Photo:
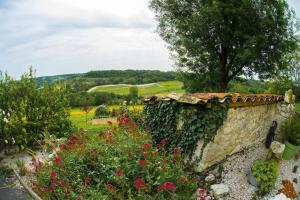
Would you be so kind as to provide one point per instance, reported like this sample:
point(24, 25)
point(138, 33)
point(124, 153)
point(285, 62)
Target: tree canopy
point(217, 40)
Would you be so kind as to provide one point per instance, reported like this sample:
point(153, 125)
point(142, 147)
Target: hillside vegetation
point(144, 89)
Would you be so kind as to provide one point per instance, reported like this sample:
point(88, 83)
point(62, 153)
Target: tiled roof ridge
point(204, 98)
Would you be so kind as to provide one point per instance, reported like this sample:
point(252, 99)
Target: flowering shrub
point(120, 163)
point(29, 112)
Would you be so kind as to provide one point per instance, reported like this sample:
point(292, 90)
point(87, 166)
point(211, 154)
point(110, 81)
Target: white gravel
point(237, 166)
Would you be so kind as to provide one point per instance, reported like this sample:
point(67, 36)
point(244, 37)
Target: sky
point(73, 36)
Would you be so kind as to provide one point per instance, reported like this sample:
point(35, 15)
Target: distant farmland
point(144, 89)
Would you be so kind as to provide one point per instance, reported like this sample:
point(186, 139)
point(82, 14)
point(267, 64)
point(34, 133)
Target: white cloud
point(67, 36)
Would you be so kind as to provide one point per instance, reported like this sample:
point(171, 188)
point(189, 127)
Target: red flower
point(142, 163)
point(53, 185)
point(109, 186)
point(139, 183)
point(53, 174)
point(93, 152)
point(145, 154)
point(87, 179)
point(176, 150)
point(167, 186)
point(73, 140)
point(147, 146)
point(129, 154)
point(63, 183)
point(119, 172)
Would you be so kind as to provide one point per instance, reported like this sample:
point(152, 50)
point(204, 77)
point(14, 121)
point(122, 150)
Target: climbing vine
point(183, 125)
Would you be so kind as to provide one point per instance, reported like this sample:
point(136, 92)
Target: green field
point(297, 107)
point(145, 89)
point(78, 118)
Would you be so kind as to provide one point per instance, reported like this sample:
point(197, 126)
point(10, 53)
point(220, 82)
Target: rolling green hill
point(144, 89)
point(51, 79)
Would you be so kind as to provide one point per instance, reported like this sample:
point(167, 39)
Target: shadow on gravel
point(13, 191)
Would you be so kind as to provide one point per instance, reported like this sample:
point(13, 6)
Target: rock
point(289, 97)
point(220, 189)
point(216, 172)
point(208, 198)
point(277, 148)
point(295, 169)
point(295, 180)
point(210, 178)
point(251, 179)
point(280, 196)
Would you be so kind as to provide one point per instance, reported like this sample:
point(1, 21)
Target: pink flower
point(119, 172)
point(167, 186)
point(147, 146)
point(87, 179)
point(109, 186)
point(201, 194)
point(176, 150)
point(139, 183)
point(142, 163)
point(200, 191)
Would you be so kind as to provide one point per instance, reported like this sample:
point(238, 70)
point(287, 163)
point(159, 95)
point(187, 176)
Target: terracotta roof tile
point(203, 98)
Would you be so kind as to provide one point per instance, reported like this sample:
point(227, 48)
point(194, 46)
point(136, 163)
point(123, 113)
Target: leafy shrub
point(101, 111)
point(291, 129)
point(266, 173)
point(29, 111)
point(120, 163)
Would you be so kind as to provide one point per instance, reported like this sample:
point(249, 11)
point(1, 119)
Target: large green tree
point(216, 40)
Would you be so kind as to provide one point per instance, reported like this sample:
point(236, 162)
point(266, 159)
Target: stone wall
point(243, 128)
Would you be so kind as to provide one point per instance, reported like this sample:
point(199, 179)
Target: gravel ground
point(237, 166)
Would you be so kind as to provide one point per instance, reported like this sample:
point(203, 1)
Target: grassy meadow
point(145, 89)
point(78, 118)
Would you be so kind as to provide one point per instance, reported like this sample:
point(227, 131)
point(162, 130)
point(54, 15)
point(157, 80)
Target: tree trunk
point(223, 76)
point(223, 85)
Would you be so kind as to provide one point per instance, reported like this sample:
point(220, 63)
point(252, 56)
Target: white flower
point(6, 142)
point(13, 140)
point(8, 115)
point(3, 112)
point(5, 120)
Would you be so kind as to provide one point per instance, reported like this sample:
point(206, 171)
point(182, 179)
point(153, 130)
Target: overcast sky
point(70, 36)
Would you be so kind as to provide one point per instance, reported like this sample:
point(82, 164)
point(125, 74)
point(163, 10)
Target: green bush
point(118, 164)
point(27, 112)
point(291, 129)
point(266, 173)
point(101, 111)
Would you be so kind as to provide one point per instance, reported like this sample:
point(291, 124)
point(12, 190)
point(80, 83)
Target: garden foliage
point(291, 129)
point(28, 112)
point(101, 111)
point(266, 173)
point(120, 163)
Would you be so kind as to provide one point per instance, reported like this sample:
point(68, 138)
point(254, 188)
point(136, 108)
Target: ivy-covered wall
point(208, 135)
point(183, 125)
